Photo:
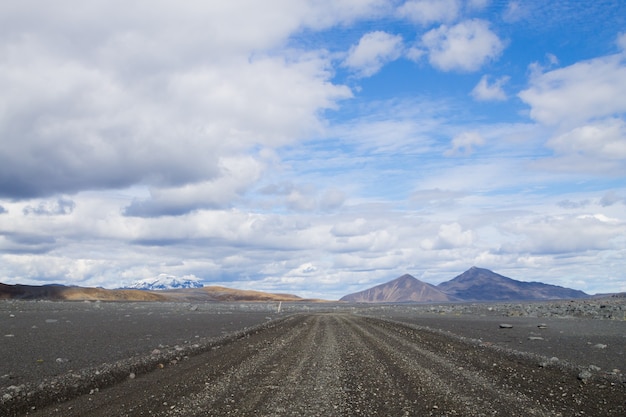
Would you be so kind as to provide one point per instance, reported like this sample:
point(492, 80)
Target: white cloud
point(584, 104)
point(155, 101)
point(374, 50)
point(425, 12)
point(515, 11)
point(583, 91)
point(449, 236)
point(466, 46)
point(490, 92)
point(605, 139)
point(564, 234)
point(463, 144)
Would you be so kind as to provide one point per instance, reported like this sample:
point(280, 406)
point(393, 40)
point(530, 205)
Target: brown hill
point(479, 284)
point(210, 293)
point(401, 290)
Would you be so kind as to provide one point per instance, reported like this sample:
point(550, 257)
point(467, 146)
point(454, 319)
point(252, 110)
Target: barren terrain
point(339, 361)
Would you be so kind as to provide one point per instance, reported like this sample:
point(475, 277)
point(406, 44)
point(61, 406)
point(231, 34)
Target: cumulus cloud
point(425, 12)
point(584, 104)
point(466, 46)
point(490, 92)
point(374, 50)
point(59, 207)
point(563, 234)
point(463, 144)
point(153, 101)
point(583, 91)
point(238, 174)
point(605, 139)
point(449, 236)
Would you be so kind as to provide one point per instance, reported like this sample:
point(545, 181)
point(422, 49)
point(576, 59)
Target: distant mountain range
point(71, 293)
point(165, 282)
point(475, 284)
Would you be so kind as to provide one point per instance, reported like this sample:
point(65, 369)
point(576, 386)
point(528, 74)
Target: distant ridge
point(69, 293)
point(479, 284)
point(400, 290)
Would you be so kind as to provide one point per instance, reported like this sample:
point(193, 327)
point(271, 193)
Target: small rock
point(62, 360)
point(132, 375)
point(542, 326)
point(506, 326)
point(51, 320)
point(535, 338)
point(9, 335)
point(594, 368)
point(584, 375)
point(599, 346)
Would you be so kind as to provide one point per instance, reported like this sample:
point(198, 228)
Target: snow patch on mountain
point(166, 282)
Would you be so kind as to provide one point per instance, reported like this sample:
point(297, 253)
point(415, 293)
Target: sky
point(316, 147)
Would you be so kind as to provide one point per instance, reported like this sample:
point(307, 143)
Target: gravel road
point(341, 364)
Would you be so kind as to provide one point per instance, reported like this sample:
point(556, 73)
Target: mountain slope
point(403, 289)
point(479, 284)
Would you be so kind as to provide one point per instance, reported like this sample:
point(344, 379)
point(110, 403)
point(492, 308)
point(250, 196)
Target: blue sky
point(313, 147)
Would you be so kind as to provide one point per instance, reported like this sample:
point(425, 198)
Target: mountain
point(478, 284)
point(165, 282)
point(205, 294)
point(403, 289)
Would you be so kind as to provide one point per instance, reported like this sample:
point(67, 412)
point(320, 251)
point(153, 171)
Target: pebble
point(506, 326)
point(535, 338)
point(599, 346)
point(542, 326)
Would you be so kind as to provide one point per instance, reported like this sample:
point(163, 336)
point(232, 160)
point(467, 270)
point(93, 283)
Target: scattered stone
point(506, 326)
point(599, 346)
point(51, 320)
point(594, 368)
point(62, 360)
point(9, 335)
point(156, 352)
point(542, 326)
point(132, 375)
point(584, 375)
point(535, 338)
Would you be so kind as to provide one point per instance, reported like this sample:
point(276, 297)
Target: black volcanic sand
point(49, 346)
point(42, 339)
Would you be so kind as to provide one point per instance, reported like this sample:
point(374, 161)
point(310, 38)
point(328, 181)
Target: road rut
point(333, 364)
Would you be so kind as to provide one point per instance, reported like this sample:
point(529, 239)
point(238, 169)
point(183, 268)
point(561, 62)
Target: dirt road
point(345, 365)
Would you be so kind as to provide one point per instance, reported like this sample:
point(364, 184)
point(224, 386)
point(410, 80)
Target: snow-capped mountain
point(166, 282)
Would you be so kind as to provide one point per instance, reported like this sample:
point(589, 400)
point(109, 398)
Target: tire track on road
point(339, 364)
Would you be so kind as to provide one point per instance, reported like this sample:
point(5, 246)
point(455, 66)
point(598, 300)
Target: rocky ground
point(442, 360)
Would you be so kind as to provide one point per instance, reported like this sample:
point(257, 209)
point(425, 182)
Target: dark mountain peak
point(475, 273)
point(405, 288)
point(479, 284)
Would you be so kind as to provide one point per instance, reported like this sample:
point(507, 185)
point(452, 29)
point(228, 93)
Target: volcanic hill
point(479, 284)
point(400, 290)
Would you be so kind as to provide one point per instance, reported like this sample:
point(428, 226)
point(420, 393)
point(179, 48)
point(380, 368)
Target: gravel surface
point(311, 360)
